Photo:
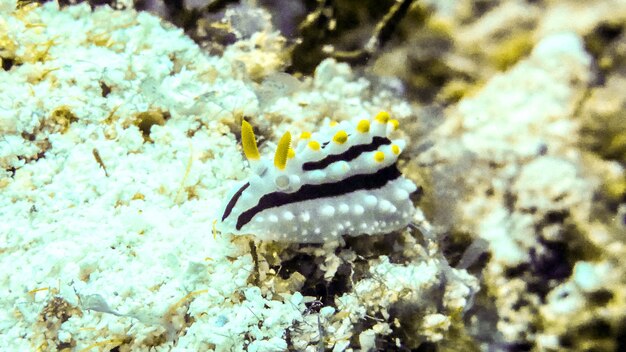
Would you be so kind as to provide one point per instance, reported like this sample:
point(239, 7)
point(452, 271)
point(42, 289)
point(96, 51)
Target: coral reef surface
point(119, 140)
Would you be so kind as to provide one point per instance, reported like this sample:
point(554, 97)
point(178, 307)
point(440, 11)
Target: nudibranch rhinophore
point(340, 180)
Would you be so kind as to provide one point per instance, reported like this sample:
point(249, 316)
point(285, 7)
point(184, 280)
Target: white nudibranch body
point(340, 180)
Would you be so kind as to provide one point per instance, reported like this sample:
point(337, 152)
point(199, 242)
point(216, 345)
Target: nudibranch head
point(340, 180)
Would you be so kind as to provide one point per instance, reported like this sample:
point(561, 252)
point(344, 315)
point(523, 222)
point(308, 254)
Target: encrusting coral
point(116, 153)
point(529, 193)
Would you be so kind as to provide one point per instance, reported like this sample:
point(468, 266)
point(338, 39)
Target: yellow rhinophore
point(340, 137)
point(282, 150)
point(248, 141)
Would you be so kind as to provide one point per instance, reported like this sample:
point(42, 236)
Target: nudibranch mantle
point(340, 180)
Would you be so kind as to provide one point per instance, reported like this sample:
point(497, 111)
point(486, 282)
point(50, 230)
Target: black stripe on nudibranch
point(233, 200)
point(350, 154)
point(326, 190)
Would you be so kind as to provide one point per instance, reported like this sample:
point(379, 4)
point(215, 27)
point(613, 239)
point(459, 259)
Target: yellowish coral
point(511, 50)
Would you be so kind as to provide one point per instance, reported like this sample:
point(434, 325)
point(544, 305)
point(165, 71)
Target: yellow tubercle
point(280, 158)
point(340, 137)
point(291, 153)
point(314, 145)
point(305, 135)
point(395, 149)
point(379, 156)
point(363, 126)
point(382, 117)
point(333, 123)
point(248, 141)
point(394, 123)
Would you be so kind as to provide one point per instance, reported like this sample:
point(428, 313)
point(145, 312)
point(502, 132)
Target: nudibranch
point(340, 180)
